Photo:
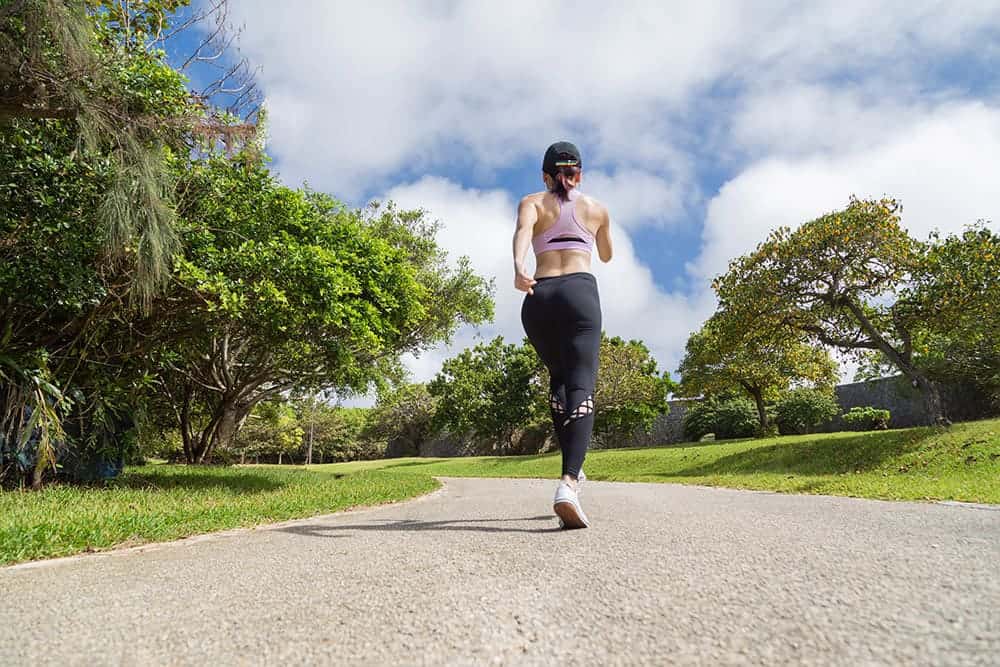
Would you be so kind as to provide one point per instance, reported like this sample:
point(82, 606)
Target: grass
point(163, 502)
point(959, 463)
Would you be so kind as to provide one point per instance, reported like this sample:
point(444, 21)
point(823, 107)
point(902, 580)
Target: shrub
point(802, 410)
point(726, 418)
point(866, 419)
point(769, 432)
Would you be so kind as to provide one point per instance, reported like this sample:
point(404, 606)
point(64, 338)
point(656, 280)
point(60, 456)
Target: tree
point(488, 391)
point(834, 279)
point(272, 430)
point(953, 309)
point(805, 408)
point(631, 393)
point(90, 124)
point(763, 361)
point(403, 418)
point(284, 290)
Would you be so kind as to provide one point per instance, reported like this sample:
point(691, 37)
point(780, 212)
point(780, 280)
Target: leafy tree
point(272, 430)
point(630, 391)
point(953, 308)
point(344, 439)
point(726, 356)
point(285, 290)
point(403, 418)
point(488, 391)
point(804, 408)
point(725, 416)
point(835, 278)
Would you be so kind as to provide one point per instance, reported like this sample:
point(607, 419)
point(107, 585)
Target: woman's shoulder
point(594, 206)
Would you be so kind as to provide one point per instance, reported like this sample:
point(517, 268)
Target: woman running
point(562, 310)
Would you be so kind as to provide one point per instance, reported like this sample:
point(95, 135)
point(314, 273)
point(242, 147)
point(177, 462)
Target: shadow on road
point(416, 524)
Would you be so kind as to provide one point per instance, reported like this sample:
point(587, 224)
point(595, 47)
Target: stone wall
point(904, 403)
point(895, 394)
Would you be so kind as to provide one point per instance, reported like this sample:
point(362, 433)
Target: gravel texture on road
point(479, 573)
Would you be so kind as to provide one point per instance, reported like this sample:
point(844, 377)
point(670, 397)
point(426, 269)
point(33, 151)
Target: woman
point(561, 312)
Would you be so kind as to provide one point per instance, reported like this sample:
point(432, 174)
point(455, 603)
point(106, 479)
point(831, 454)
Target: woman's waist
point(556, 263)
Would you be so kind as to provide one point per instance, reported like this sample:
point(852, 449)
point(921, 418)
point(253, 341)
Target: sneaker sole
point(570, 515)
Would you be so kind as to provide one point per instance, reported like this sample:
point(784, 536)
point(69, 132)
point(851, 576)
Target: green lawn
point(164, 502)
point(960, 463)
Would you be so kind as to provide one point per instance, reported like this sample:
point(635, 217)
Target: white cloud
point(480, 224)
point(792, 107)
point(942, 166)
point(359, 91)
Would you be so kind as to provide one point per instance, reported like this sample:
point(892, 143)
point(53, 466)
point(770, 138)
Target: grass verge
point(165, 502)
point(958, 463)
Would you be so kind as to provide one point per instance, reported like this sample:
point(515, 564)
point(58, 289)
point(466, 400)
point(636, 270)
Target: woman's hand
point(523, 281)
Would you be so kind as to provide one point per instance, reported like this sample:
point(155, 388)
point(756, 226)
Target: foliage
point(630, 394)
point(834, 279)
point(954, 309)
point(272, 430)
point(725, 417)
point(284, 290)
point(402, 419)
point(487, 392)
point(866, 419)
point(342, 436)
point(761, 360)
point(803, 409)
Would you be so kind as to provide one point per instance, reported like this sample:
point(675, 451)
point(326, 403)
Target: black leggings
point(563, 322)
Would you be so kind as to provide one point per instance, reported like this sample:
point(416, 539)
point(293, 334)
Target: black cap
point(560, 154)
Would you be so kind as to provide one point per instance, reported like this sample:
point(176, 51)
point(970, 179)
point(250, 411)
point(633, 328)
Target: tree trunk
point(758, 397)
point(309, 453)
point(226, 422)
point(932, 398)
point(279, 458)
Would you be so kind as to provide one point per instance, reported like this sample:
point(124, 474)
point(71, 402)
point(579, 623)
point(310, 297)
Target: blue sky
point(702, 126)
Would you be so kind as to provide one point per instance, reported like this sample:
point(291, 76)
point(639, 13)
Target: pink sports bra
point(567, 233)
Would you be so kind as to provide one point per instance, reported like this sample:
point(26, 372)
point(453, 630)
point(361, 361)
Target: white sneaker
point(566, 505)
point(579, 482)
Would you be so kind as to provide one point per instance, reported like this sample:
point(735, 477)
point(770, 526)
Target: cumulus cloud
point(942, 165)
point(360, 91)
point(733, 118)
point(480, 224)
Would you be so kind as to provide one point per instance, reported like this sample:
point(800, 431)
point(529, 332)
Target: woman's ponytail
point(559, 179)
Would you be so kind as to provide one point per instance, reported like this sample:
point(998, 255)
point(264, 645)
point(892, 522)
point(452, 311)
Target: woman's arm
point(604, 250)
point(527, 216)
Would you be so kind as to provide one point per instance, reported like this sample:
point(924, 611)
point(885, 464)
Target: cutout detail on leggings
point(585, 408)
point(556, 404)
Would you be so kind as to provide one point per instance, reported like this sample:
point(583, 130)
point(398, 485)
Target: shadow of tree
point(239, 482)
point(417, 525)
point(828, 456)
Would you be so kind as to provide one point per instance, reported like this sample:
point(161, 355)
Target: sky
point(702, 126)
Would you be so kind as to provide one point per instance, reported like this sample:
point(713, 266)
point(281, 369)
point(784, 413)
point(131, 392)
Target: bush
point(802, 410)
point(726, 418)
point(866, 419)
point(769, 432)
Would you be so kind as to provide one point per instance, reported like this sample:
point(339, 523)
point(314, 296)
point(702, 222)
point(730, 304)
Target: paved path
point(478, 573)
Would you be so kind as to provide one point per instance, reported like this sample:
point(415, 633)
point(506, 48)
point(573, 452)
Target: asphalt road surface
point(479, 573)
